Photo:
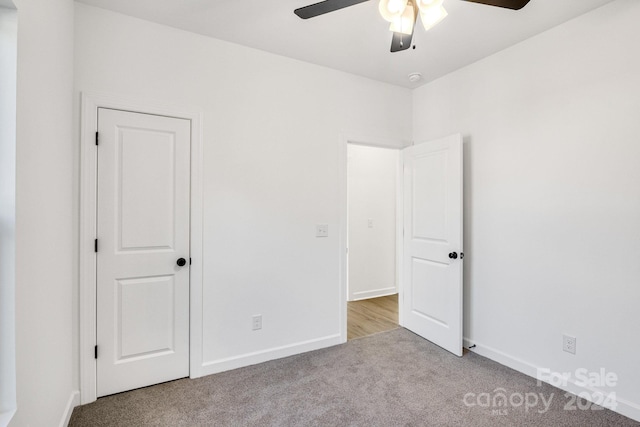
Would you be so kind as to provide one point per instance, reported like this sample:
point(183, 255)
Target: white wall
point(372, 175)
point(272, 130)
point(552, 195)
point(8, 58)
point(45, 228)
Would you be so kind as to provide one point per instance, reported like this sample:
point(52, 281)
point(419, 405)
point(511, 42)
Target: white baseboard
point(624, 407)
point(356, 296)
point(221, 365)
point(74, 400)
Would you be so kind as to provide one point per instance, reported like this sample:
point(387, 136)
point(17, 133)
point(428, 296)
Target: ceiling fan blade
point(324, 7)
point(509, 4)
point(400, 41)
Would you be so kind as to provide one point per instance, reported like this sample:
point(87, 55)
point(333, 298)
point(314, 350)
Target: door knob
point(181, 262)
point(453, 255)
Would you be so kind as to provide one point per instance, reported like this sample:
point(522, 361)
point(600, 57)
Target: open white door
point(142, 250)
point(431, 303)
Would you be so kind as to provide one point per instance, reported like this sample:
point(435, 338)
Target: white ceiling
point(356, 39)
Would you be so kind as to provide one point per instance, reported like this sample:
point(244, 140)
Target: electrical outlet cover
point(256, 322)
point(569, 344)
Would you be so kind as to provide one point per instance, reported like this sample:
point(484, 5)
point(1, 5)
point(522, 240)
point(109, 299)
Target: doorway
point(372, 259)
point(91, 144)
point(429, 250)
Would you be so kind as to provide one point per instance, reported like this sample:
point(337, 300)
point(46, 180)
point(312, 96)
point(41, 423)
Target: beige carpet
point(393, 378)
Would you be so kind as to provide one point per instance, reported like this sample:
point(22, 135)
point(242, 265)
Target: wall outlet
point(256, 322)
point(569, 344)
point(322, 230)
point(370, 223)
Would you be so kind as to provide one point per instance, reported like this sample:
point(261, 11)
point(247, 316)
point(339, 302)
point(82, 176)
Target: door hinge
point(96, 138)
point(95, 352)
point(95, 246)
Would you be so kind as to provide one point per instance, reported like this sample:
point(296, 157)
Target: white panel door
point(143, 230)
point(432, 264)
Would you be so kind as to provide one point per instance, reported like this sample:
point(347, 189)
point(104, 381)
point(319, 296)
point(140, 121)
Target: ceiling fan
point(402, 14)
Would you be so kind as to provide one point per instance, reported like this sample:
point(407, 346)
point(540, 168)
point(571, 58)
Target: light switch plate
point(322, 230)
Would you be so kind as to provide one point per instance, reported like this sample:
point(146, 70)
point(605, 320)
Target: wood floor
point(370, 316)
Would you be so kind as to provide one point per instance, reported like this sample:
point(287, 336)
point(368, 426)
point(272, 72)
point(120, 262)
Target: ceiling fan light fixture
point(431, 16)
point(392, 9)
point(404, 23)
point(426, 4)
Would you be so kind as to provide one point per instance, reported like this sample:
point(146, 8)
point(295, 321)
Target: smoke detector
point(415, 77)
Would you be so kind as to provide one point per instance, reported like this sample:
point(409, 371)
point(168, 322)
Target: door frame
point(399, 145)
point(90, 102)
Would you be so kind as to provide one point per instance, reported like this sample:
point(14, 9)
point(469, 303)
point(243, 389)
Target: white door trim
point(344, 218)
point(91, 101)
